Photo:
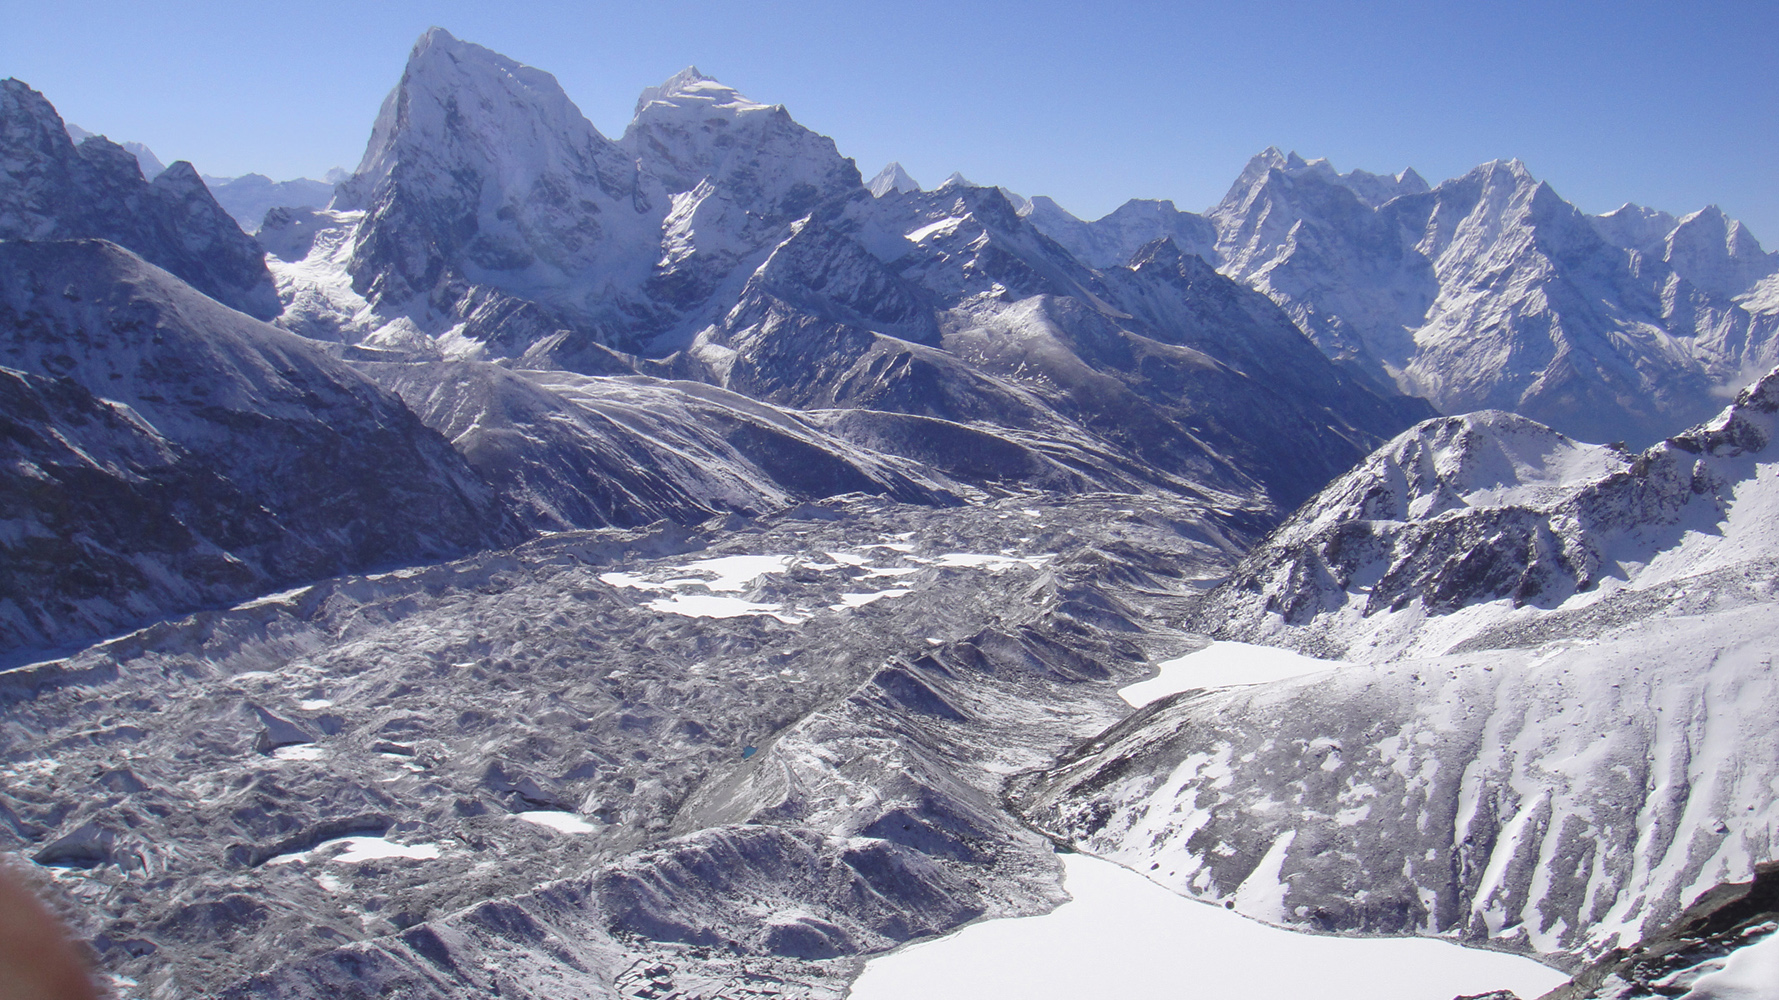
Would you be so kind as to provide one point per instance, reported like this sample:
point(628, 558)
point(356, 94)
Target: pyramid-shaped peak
point(892, 178)
point(684, 79)
point(1710, 214)
point(1412, 182)
point(442, 62)
point(435, 36)
point(1512, 172)
point(435, 42)
point(459, 98)
point(1514, 166)
point(691, 86)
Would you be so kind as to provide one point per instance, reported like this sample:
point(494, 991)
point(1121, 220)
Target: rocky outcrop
point(171, 453)
point(1490, 291)
point(1546, 727)
point(55, 190)
point(1490, 507)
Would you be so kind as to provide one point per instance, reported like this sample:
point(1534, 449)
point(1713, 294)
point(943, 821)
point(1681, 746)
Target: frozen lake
point(1124, 936)
point(1224, 664)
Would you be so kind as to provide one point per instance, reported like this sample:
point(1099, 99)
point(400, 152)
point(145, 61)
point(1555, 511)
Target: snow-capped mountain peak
point(689, 86)
point(517, 113)
point(892, 178)
point(481, 169)
point(1717, 253)
point(53, 189)
point(151, 164)
point(1634, 227)
point(692, 128)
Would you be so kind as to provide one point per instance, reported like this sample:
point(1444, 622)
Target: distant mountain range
point(691, 564)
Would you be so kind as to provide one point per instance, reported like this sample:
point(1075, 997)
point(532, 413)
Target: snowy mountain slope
point(1315, 247)
point(1111, 240)
point(568, 450)
point(1465, 511)
point(298, 467)
point(692, 129)
point(151, 164)
point(1716, 253)
point(307, 251)
point(1634, 227)
point(892, 178)
point(1162, 367)
point(1722, 945)
point(107, 521)
point(771, 271)
point(1490, 291)
point(52, 189)
point(480, 171)
point(250, 196)
point(1561, 799)
point(1554, 735)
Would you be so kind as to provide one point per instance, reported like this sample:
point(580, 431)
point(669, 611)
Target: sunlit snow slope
point(1558, 729)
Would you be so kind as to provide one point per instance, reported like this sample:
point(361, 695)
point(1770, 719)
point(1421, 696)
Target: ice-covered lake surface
point(556, 819)
point(1224, 664)
point(1123, 935)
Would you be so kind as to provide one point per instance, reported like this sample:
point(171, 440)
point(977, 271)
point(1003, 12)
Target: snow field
point(1122, 935)
point(1223, 664)
point(733, 574)
point(358, 848)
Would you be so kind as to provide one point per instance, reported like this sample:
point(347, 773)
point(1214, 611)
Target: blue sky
point(1670, 105)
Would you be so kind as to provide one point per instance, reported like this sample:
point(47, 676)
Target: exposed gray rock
point(755, 798)
point(1490, 291)
point(55, 190)
point(171, 453)
point(1551, 728)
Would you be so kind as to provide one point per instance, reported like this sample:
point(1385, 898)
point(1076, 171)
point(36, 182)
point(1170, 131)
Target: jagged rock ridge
point(1548, 732)
point(54, 190)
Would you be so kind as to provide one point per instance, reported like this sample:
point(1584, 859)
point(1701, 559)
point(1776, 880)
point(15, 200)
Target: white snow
point(860, 600)
point(358, 848)
point(1224, 664)
point(1122, 935)
point(943, 226)
point(1750, 973)
point(723, 573)
point(735, 572)
point(992, 563)
point(556, 819)
point(300, 751)
point(709, 606)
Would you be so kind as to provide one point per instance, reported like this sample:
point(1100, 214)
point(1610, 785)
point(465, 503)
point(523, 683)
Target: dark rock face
point(1714, 927)
point(55, 190)
point(222, 457)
